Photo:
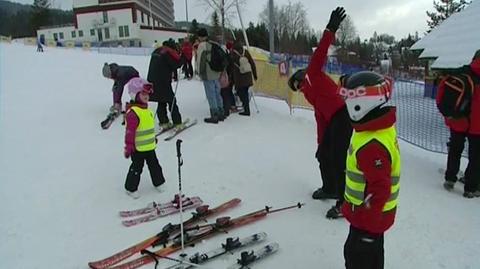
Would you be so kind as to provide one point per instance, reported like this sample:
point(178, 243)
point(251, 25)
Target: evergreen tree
point(216, 28)
point(443, 10)
point(40, 14)
point(193, 31)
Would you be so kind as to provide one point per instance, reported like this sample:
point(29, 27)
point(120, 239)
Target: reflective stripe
point(145, 132)
point(355, 177)
point(144, 142)
point(395, 180)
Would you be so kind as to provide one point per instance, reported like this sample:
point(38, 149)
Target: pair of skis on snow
point(105, 124)
point(231, 244)
point(155, 210)
point(170, 237)
point(185, 125)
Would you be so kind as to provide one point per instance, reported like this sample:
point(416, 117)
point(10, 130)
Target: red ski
point(163, 237)
point(221, 225)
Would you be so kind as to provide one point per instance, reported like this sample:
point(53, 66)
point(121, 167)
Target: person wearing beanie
point(462, 128)
point(209, 77)
point(373, 165)
point(120, 74)
point(140, 141)
point(333, 124)
point(163, 64)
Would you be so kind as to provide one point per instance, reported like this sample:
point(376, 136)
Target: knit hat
point(137, 85)
point(202, 32)
point(106, 71)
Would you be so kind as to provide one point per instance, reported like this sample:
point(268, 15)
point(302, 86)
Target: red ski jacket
point(378, 179)
point(469, 125)
point(319, 89)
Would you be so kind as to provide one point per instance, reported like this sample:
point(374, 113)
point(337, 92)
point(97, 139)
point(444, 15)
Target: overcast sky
point(395, 17)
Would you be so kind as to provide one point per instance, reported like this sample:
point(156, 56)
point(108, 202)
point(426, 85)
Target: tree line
point(17, 20)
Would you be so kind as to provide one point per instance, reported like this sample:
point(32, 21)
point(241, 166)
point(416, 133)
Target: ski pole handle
point(179, 142)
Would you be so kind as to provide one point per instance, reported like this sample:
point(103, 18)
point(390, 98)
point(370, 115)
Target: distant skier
point(39, 46)
point(120, 74)
point(140, 141)
point(373, 169)
point(463, 127)
point(333, 124)
point(163, 64)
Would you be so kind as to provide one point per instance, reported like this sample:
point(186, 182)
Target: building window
point(105, 17)
point(80, 33)
point(143, 18)
point(55, 36)
point(123, 31)
point(120, 31)
point(92, 32)
point(74, 34)
point(61, 35)
point(107, 33)
point(148, 20)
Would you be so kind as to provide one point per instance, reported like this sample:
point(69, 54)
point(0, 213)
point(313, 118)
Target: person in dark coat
point(163, 64)
point(120, 74)
point(227, 92)
point(244, 72)
point(333, 123)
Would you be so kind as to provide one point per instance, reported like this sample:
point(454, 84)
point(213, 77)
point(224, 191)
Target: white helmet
point(365, 91)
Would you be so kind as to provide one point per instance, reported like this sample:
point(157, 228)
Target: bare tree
point(347, 32)
point(226, 9)
point(290, 18)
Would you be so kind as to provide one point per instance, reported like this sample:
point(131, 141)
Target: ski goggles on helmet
point(382, 89)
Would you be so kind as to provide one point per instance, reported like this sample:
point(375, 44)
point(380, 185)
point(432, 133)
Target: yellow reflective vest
point(145, 134)
point(355, 181)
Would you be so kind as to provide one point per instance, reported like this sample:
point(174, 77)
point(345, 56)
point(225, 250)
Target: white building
point(117, 22)
point(453, 43)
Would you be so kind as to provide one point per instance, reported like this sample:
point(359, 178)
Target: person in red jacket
point(187, 54)
point(333, 124)
point(372, 169)
point(460, 129)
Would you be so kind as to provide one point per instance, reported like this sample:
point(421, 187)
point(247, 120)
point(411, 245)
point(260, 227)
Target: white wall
point(84, 3)
point(149, 36)
point(48, 33)
point(116, 18)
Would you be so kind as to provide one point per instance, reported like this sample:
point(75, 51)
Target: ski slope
point(62, 176)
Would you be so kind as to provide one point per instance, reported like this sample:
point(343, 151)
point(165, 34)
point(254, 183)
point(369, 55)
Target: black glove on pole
point(337, 16)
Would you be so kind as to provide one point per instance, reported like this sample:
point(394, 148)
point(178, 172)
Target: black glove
point(296, 79)
point(337, 16)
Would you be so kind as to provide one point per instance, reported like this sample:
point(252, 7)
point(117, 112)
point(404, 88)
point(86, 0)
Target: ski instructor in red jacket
point(333, 124)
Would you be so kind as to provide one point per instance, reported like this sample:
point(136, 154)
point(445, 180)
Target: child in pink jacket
point(140, 141)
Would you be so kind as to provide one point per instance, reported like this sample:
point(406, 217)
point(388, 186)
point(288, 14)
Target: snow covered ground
point(62, 177)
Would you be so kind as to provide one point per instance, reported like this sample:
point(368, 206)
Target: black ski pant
point(188, 68)
point(243, 94)
point(455, 150)
point(138, 159)
point(332, 153)
point(162, 112)
point(228, 98)
point(363, 250)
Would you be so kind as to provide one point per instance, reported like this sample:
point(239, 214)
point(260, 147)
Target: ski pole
point(254, 102)
point(180, 163)
point(174, 96)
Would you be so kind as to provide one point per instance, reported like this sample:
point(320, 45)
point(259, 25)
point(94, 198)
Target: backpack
point(224, 81)
point(218, 58)
point(457, 96)
point(243, 63)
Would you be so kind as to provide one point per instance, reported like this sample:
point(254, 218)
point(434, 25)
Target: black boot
point(220, 114)
point(320, 194)
point(213, 117)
